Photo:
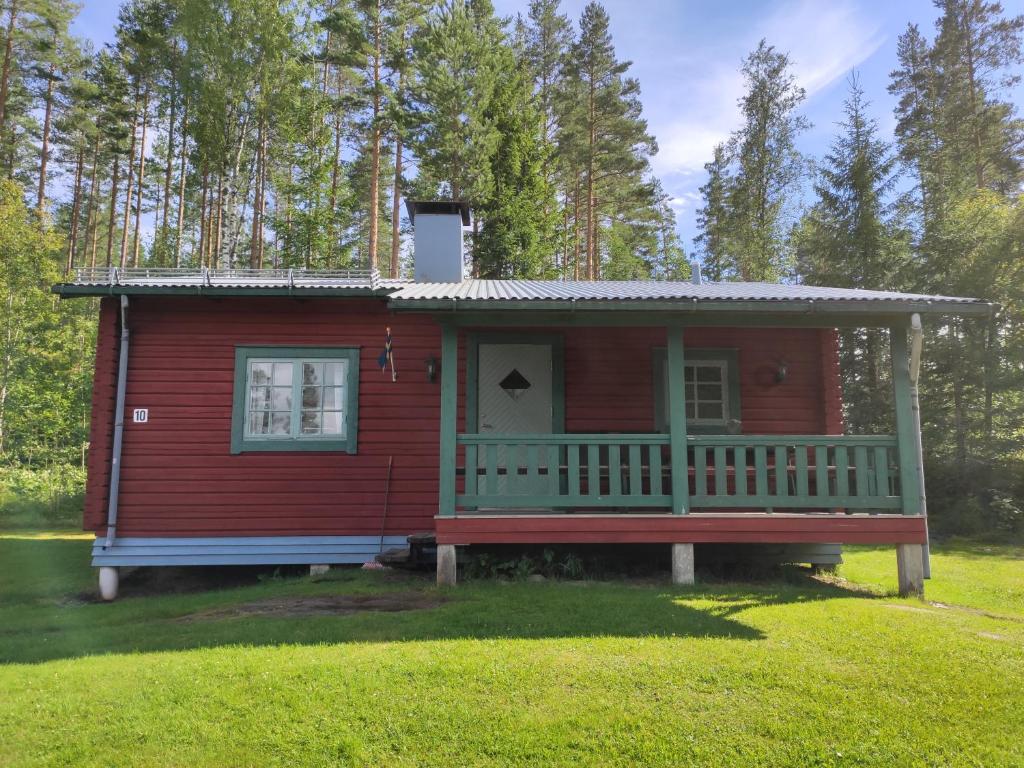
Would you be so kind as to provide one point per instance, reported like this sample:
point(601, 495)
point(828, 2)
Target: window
point(712, 389)
point(295, 399)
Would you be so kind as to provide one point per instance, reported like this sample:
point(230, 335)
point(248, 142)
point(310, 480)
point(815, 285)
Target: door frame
point(557, 343)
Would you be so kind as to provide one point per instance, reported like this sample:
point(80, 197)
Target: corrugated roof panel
point(643, 290)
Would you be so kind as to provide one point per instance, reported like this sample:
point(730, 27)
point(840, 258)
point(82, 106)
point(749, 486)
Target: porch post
point(677, 422)
point(449, 409)
point(906, 439)
point(909, 557)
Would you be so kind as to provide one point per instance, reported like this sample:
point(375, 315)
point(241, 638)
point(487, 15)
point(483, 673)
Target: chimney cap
point(452, 207)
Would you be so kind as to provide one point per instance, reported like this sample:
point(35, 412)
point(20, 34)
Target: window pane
point(710, 411)
point(259, 423)
point(282, 374)
point(333, 423)
point(311, 422)
point(282, 399)
point(259, 373)
point(709, 373)
point(334, 373)
point(312, 373)
point(688, 373)
point(281, 424)
point(311, 397)
point(333, 398)
point(709, 392)
point(689, 410)
point(259, 398)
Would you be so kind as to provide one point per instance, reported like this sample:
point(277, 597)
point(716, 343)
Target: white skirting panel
point(242, 550)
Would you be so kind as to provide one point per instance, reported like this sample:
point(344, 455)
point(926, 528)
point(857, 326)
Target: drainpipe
point(916, 341)
point(115, 457)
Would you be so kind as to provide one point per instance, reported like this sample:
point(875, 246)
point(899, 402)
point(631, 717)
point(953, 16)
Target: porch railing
point(552, 471)
point(566, 471)
point(856, 471)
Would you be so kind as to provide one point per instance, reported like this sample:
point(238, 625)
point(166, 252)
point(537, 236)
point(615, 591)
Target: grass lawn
point(796, 672)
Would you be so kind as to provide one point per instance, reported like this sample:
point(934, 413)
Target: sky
point(687, 54)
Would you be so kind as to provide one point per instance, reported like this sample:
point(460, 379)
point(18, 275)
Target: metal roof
point(496, 294)
point(104, 280)
point(510, 294)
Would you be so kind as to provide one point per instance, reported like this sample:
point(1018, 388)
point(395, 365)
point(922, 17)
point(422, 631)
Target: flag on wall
point(387, 356)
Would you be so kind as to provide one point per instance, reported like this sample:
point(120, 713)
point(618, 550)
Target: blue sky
point(686, 55)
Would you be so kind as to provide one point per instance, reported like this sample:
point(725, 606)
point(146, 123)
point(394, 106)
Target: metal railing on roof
point(203, 276)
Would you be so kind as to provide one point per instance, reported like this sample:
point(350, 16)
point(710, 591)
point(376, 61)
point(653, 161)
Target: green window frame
point(295, 399)
point(698, 363)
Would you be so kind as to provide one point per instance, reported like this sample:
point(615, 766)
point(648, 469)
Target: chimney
point(437, 239)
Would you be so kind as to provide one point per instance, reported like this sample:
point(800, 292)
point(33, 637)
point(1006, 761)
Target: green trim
point(242, 444)
point(677, 423)
point(557, 343)
point(906, 437)
point(764, 319)
point(449, 414)
point(730, 356)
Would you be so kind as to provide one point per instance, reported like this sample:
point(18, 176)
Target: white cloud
point(824, 40)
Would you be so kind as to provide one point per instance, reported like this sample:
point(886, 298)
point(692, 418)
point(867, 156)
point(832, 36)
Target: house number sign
point(140, 415)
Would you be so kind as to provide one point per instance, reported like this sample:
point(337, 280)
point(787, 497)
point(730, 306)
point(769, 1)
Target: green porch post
point(906, 438)
point(677, 422)
point(449, 409)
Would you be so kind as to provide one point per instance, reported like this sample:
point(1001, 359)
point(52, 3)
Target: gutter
point(115, 456)
point(916, 342)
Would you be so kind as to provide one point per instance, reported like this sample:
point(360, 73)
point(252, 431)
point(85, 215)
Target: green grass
point(796, 672)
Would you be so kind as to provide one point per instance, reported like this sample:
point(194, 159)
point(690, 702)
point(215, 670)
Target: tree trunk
point(91, 213)
point(113, 209)
point(257, 222)
point(44, 153)
point(170, 154)
point(396, 210)
point(5, 71)
point(75, 210)
point(203, 229)
point(142, 179)
point(374, 201)
point(332, 237)
point(181, 187)
point(218, 234)
point(591, 223)
point(131, 184)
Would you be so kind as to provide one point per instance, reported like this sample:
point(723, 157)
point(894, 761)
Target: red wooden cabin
point(243, 417)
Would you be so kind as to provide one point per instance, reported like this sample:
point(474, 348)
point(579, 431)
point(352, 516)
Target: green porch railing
point(855, 471)
point(551, 471)
point(564, 471)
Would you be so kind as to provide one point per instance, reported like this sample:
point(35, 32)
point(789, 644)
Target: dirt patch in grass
point(320, 605)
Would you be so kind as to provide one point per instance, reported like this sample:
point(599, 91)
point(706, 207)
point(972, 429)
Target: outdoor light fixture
point(781, 372)
point(431, 368)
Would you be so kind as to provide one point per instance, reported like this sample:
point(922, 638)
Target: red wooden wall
point(179, 478)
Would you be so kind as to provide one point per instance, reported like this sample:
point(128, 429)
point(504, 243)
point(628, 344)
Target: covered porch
point(680, 481)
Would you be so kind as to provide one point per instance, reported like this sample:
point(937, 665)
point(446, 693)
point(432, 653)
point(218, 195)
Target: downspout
point(916, 342)
point(115, 457)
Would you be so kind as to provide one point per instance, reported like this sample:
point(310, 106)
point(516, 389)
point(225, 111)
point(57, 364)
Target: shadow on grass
point(43, 615)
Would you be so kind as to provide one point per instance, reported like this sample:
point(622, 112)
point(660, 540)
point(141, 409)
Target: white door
point(514, 396)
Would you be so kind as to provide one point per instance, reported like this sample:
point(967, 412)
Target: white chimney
point(437, 239)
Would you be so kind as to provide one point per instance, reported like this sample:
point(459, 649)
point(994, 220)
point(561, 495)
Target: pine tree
point(607, 120)
point(713, 219)
point(853, 238)
point(767, 164)
point(517, 226)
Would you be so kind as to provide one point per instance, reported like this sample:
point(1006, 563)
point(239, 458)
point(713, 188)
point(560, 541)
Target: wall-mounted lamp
point(432, 367)
point(781, 372)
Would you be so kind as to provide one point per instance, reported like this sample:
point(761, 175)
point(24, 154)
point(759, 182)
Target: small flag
point(387, 356)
